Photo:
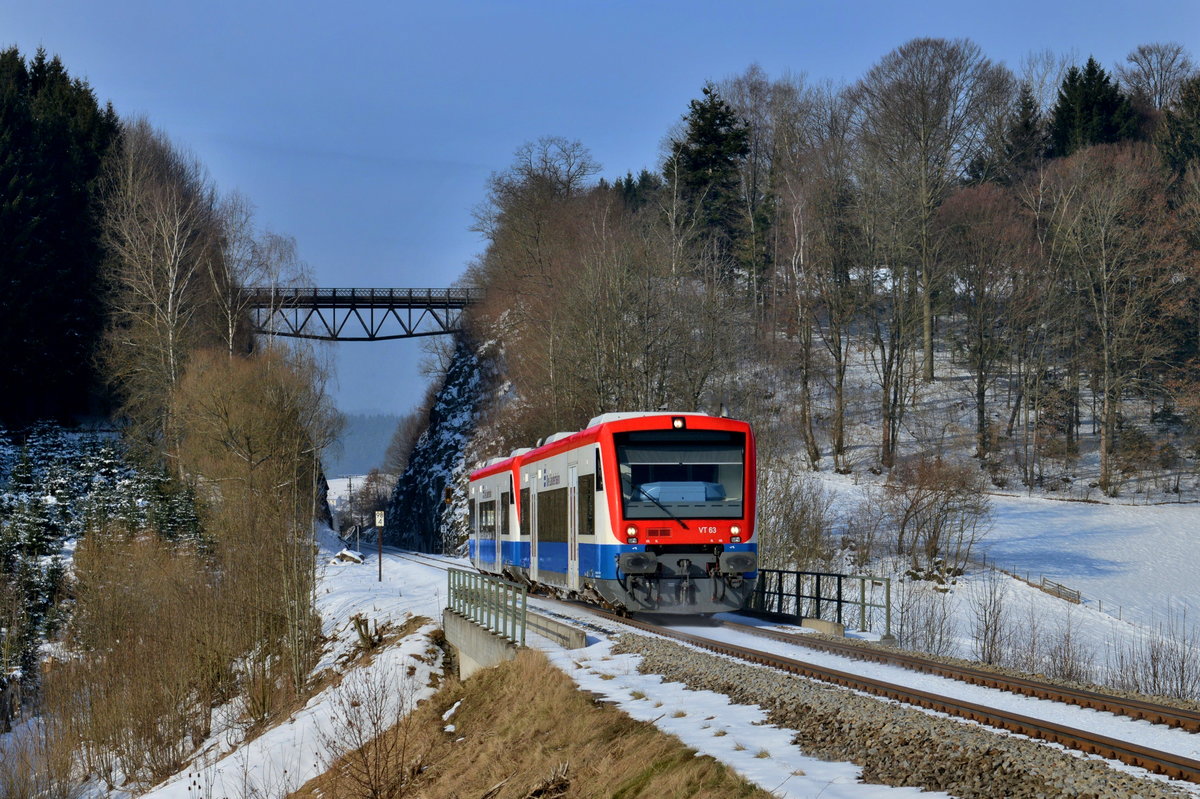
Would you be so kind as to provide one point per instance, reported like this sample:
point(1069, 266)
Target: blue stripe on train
point(596, 561)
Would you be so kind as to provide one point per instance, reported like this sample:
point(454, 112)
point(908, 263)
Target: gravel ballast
point(894, 744)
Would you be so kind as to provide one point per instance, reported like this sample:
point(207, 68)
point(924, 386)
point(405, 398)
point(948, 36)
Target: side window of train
point(525, 511)
point(587, 505)
point(505, 498)
point(552, 515)
point(599, 472)
point(471, 516)
point(487, 519)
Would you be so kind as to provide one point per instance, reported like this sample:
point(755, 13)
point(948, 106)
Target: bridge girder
point(357, 314)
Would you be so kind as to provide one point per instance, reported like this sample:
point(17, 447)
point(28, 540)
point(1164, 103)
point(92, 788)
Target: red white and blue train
point(646, 512)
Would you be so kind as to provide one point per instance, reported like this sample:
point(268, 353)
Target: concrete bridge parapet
point(479, 648)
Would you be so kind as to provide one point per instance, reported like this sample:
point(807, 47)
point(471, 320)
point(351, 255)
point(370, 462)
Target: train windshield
point(688, 474)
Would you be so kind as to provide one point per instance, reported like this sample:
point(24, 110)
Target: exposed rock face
point(428, 509)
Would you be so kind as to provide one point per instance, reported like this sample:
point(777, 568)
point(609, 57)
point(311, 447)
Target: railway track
point(1181, 718)
point(1166, 763)
point(420, 557)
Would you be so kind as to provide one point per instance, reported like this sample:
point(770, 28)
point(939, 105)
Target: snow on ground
point(1142, 559)
point(737, 735)
point(288, 755)
point(1135, 561)
point(1136, 557)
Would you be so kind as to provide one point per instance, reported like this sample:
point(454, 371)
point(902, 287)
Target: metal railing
point(810, 595)
point(492, 603)
point(357, 314)
point(288, 296)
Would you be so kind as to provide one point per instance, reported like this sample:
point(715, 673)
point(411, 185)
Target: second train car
point(646, 512)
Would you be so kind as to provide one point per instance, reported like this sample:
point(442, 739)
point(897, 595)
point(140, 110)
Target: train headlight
point(677, 422)
point(735, 539)
point(631, 534)
point(735, 530)
point(735, 534)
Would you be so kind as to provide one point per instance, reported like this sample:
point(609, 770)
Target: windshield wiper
point(646, 494)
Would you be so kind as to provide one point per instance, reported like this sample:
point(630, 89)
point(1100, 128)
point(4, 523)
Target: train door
point(473, 529)
point(502, 531)
point(573, 527)
point(533, 528)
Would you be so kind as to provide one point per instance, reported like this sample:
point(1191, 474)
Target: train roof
point(606, 418)
point(560, 442)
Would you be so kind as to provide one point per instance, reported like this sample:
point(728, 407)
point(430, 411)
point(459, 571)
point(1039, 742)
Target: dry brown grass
point(524, 730)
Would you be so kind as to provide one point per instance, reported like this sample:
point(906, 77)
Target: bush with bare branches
point(372, 727)
point(794, 514)
point(939, 512)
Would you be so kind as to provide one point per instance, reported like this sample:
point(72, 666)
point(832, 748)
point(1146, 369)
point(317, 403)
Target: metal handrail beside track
point(492, 603)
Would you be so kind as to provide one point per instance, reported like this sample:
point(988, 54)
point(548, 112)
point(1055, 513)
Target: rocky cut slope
point(427, 511)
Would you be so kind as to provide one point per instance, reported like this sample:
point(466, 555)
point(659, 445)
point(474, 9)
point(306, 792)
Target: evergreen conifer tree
point(1179, 134)
point(1025, 143)
point(1090, 110)
point(704, 167)
point(53, 136)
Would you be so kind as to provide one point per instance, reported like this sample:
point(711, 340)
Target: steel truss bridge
point(358, 314)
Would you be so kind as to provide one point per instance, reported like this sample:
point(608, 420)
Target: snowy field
point(1144, 559)
point(1136, 562)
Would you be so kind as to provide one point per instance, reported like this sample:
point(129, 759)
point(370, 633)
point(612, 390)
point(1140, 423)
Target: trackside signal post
point(379, 539)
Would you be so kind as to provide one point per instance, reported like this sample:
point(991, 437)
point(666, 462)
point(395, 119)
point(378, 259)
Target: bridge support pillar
point(474, 647)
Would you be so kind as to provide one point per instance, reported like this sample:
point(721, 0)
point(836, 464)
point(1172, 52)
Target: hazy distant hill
point(362, 444)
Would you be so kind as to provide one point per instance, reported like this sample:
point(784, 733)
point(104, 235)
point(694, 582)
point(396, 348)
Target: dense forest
point(827, 261)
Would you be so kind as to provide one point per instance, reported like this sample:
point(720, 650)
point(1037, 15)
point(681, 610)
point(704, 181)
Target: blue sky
point(367, 130)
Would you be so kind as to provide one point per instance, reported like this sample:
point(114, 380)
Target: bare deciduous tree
point(795, 517)
point(249, 259)
point(254, 429)
point(988, 244)
point(939, 513)
point(161, 225)
point(1153, 73)
point(1114, 230)
point(1043, 71)
point(924, 113)
point(991, 625)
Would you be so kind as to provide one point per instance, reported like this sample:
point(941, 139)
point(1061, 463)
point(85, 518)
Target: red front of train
point(643, 511)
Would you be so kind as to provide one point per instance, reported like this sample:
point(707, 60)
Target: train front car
point(643, 512)
point(683, 512)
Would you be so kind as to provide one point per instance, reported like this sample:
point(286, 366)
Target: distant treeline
point(1035, 231)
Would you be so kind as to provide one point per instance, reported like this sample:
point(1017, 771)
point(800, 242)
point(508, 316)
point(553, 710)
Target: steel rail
point(1153, 712)
point(1171, 765)
point(421, 558)
point(1167, 763)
